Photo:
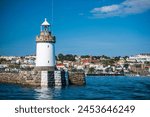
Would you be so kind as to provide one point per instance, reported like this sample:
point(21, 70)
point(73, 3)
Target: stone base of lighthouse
point(43, 78)
point(49, 76)
point(35, 78)
point(40, 68)
point(53, 78)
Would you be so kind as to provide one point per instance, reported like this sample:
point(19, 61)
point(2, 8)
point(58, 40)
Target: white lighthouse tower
point(45, 49)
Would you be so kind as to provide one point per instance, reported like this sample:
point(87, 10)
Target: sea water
point(96, 88)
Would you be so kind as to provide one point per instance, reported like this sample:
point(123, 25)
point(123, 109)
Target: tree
point(70, 57)
point(125, 57)
point(108, 62)
point(105, 57)
point(91, 70)
point(126, 66)
point(3, 61)
point(22, 57)
point(60, 57)
point(147, 62)
point(117, 58)
point(85, 56)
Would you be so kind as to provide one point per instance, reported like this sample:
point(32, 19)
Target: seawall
point(30, 78)
point(76, 78)
point(43, 78)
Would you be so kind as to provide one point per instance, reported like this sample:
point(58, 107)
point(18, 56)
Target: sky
point(81, 27)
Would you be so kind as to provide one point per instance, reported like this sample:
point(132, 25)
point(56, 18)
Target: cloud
point(125, 8)
point(106, 9)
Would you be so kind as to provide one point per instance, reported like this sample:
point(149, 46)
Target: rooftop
point(45, 23)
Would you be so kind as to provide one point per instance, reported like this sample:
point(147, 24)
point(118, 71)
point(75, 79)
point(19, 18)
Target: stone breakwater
point(31, 78)
point(76, 78)
point(43, 78)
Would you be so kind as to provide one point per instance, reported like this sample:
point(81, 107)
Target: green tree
point(3, 61)
point(125, 57)
point(60, 57)
point(126, 66)
point(105, 57)
point(117, 58)
point(70, 57)
point(108, 62)
point(91, 70)
point(85, 56)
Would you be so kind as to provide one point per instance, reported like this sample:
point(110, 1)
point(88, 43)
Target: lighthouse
point(45, 72)
point(45, 49)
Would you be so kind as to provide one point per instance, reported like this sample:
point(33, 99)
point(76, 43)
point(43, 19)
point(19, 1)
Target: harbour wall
point(43, 78)
point(30, 78)
point(76, 78)
point(35, 78)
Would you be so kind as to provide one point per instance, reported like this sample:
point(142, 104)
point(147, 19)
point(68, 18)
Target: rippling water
point(97, 88)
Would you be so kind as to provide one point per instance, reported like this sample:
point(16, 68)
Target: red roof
point(60, 64)
point(85, 61)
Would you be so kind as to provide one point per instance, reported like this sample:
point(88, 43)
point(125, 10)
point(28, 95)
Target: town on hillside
point(137, 65)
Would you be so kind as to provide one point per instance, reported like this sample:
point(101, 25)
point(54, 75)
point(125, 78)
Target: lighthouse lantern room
point(45, 49)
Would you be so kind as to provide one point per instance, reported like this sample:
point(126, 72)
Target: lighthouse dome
point(45, 23)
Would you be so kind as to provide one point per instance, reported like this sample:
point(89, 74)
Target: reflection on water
point(96, 88)
point(45, 93)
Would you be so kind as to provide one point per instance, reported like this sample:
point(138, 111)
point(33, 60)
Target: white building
point(45, 49)
point(9, 57)
point(139, 58)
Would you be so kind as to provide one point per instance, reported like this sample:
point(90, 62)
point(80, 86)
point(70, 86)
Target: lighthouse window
point(48, 61)
point(48, 46)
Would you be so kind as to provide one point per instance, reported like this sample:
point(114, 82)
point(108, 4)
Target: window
point(48, 46)
point(48, 61)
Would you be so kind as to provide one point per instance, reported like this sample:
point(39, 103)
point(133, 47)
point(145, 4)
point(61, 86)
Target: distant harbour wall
point(103, 74)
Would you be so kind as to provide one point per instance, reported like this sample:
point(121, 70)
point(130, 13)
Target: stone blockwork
point(43, 78)
point(41, 68)
point(60, 79)
point(53, 78)
point(31, 78)
point(77, 78)
point(45, 37)
point(35, 78)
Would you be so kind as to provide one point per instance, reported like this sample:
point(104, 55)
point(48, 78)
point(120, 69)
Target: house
point(140, 58)
point(61, 67)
